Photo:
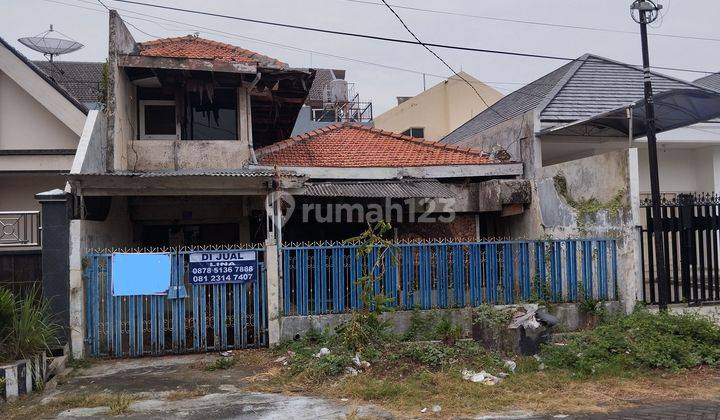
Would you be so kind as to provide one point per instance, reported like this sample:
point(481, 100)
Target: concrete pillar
point(56, 213)
point(77, 291)
point(273, 291)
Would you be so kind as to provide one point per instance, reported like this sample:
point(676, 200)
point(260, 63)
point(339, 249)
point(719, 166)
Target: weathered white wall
point(440, 109)
point(147, 155)
point(605, 178)
point(92, 149)
point(683, 169)
point(25, 123)
point(116, 230)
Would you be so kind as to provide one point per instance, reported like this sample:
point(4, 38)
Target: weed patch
point(222, 363)
point(642, 340)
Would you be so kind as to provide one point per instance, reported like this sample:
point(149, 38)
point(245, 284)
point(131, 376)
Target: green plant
point(448, 331)
point(30, 329)
point(222, 363)
point(490, 316)
point(640, 340)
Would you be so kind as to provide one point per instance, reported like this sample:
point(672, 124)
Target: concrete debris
point(280, 359)
point(423, 410)
point(323, 352)
point(436, 408)
point(480, 377)
point(502, 375)
point(510, 365)
point(351, 371)
point(228, 353)
point(344, 399)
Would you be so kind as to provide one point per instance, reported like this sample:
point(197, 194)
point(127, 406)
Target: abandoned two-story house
point(197, 133)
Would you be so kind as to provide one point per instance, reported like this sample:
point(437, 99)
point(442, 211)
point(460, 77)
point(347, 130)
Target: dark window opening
point(417, 132)
point(159, 119)
point(213, 118)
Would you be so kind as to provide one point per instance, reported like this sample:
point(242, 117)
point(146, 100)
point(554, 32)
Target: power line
point(440, 58)
point(192, 26)
point(379, 38)
point(532, 22)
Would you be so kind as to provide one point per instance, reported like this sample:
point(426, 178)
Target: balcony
point(19, 229)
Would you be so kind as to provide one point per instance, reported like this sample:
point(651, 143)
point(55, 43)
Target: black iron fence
point(691, 234)
point(19, 229)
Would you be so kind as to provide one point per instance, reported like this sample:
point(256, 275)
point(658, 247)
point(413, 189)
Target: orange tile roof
point(357, 146)
point(194, 47)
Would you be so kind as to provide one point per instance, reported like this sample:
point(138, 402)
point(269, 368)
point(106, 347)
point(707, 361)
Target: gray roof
point(711, 82)
point(81, 79)
point(580, 89)
point(370, 189)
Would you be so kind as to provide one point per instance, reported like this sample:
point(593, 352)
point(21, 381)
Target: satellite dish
point(51, 46)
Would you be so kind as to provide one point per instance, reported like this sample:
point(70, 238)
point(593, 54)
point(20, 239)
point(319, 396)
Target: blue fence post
point(491, 274)
point(556, 271)
point(441, 264)
point(286, 282)
point(390, 285)
point(540, 270)
point(475, 272)
point(408, 280)
point(614, 268)
point(459, 275)
point(587, 268)
point(524, 268)
point(571, 263)
point(508, 274)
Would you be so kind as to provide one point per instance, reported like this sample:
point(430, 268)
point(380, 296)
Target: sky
point(86, 22)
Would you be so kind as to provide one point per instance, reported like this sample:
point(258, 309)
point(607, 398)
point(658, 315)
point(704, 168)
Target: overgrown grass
point(117, 404)
point(642, 340)
point(26, 325)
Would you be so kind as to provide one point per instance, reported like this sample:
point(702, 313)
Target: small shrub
point(488, 315)
point(448, 331)
point(223, 363)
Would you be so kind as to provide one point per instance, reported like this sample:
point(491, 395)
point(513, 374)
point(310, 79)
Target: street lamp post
point(647, 13)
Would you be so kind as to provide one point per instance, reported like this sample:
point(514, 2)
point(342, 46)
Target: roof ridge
point(562, 82)
point(253, 55)
point(640, 70)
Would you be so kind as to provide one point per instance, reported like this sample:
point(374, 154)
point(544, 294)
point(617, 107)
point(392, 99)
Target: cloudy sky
point(471, 23)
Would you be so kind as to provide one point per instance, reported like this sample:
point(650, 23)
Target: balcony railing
point(19, 229)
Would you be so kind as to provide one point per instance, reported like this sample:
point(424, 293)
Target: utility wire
point(380, 38)
point(440, 58)
point(532, 22)
point(192, 27)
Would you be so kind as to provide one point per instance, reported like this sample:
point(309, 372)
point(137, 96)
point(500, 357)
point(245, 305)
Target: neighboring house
point(332, 99)
point(579, 131)
point(439, 110)
point(40, 126)
point(560, 108)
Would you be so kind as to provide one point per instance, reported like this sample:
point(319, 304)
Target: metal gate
point(691, 234)
point(190, 318)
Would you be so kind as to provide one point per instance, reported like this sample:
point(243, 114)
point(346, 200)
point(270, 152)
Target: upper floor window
point(417, 132)
point(213, 118)
point(203, 116)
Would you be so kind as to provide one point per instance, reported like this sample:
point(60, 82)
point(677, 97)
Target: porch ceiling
point(185, 182)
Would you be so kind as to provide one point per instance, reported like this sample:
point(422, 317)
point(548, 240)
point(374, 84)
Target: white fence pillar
point(273, 291)
point(77, 292)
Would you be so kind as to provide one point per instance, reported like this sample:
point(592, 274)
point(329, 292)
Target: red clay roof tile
point(194, 47)
point(353, 146)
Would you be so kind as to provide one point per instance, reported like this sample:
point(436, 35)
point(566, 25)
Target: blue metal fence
point(323, 278)
point(190, 318)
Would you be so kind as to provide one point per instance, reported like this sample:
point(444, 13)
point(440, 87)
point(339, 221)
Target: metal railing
point(323, 278)
point(19, 228)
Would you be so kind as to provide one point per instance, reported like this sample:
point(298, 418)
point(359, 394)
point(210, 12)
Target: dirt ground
point(256, 387)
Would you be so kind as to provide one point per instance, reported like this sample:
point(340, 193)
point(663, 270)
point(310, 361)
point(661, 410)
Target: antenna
point(50, 46)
